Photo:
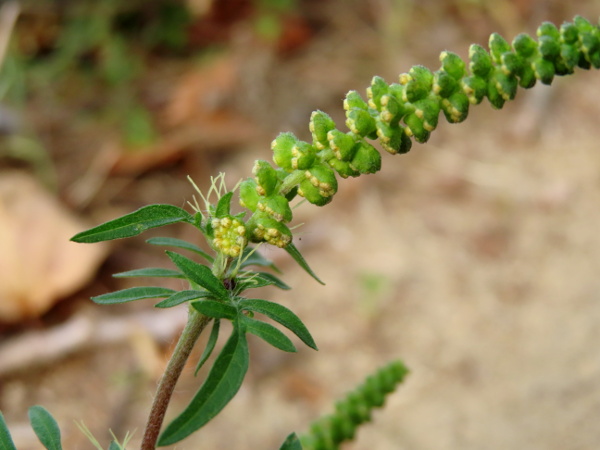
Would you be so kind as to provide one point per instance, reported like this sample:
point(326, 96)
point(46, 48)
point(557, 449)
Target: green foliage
point(355, 409)
point(44, 426)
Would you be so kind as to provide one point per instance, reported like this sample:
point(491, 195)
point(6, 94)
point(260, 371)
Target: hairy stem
point(194, 327)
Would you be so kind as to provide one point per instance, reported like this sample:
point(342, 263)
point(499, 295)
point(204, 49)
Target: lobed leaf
point(6, 442)
point(151, 216)
point(199, 274)
point(132, 294)
point(268, 333)
point(294, 253)
point(281, 314)
point(180, 243)
point(181, 297)
point(45, 427)
point(220, 386)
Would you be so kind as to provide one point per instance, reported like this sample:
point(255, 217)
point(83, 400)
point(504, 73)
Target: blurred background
point(474, 258)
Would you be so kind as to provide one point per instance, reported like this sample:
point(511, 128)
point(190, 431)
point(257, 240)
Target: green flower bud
point(393, 138)
point(320, 124)
point(569, 34)
point(498, 46)
point(527, 77)
point(453, 65)
point(367, 159)
point(342, 144)
point(277, 206)
point(525, 46)
point(444, 84)
point(494, 95)
point(415, 127)
point(229, 236)
point(390, 108)
point(549, 47)
point(548, 29)
point(354, 100)
point(248, 194)
point(282, 150)
point(417, 83)
point(360, 122)
point(428, 110)
point(544, 70)
point(590, 46)
point(377, 89)
point(506, 85)
point(319, 186)
point(475, 88)
point(343, 168)
point(303, 155)
point(264, 228)
point(455, 107)
point(266, 177)
point(512, 64)
point(480, 61)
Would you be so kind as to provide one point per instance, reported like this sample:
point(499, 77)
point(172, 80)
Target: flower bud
point(444, 84)
point(506, 85)
point(360, 122)
point(248, 194)
point(453, 65)
point(354, 100)
point(276, 206)
point(417, 83)
point(266, 177)
point(524, 45)
point(498, 46)
point(303, 155)
point(342, 144)
point(494, 95)
point(343, 168)
point(393, 138)
point(455, 107)
point(475, 89)
point(544, 70)
point(367, 159)
point(548, 29)
point(416, 128)
point(320, 124)
point(569, 34)
point(264, 228)
point(282, 150)
point(428, 110)
point(319, 186)
point(377, 89)
point(229, 236)
point(549, 47)
point(480, 61)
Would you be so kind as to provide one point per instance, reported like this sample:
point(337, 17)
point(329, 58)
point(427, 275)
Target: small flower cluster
point(395, 113)
point(229, 236)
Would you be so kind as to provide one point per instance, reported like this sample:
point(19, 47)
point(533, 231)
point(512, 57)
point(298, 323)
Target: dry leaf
point(38, 263)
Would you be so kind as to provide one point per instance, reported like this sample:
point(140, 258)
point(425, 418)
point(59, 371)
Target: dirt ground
point(474, 259)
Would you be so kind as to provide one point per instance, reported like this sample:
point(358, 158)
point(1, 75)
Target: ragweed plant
point(393, 115)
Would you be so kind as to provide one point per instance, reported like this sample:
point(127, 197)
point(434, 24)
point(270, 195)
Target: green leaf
point(132, 294)
point(181, 297)
point(221, 385)
point(256, 259)
point(180, 243)
point(45, 427)
point(291, 443)
point(150, 272)
point(281, 314)
point(213, 308)
point(6, 442)
point(210, 345)
point(199, 274)
point(224, 206)
point(294, 253)
point(114, 446)
point(132, 224)
point(260, 279)
point(268, 333)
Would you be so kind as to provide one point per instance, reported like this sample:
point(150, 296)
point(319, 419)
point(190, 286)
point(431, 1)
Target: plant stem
point(194, 327)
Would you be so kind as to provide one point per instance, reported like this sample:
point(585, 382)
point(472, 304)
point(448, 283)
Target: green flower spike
point(229, 236)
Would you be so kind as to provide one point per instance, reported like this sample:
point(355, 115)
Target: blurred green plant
point(393, 114)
